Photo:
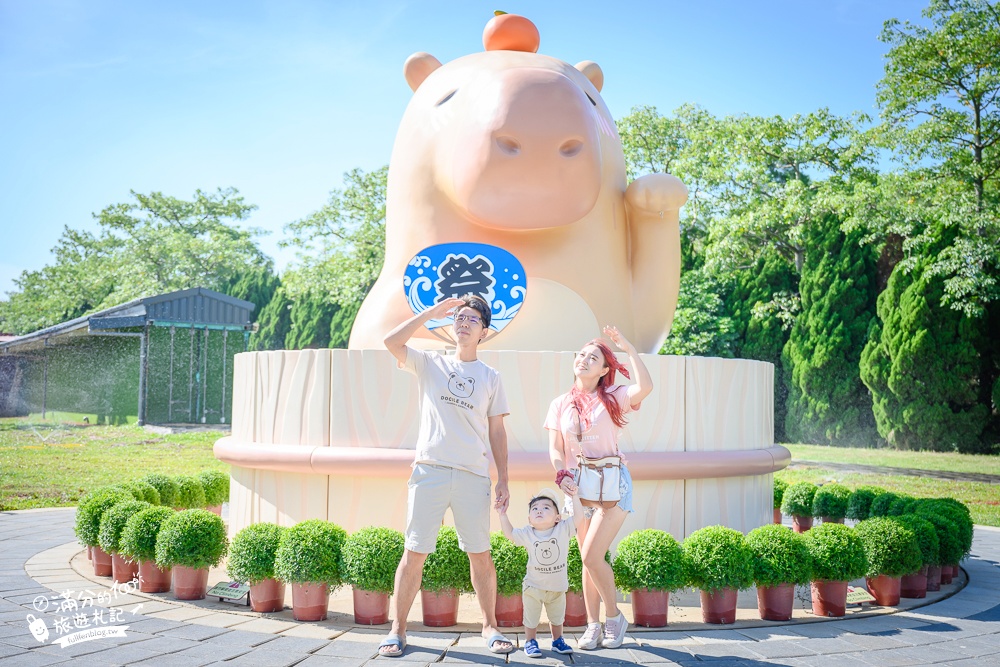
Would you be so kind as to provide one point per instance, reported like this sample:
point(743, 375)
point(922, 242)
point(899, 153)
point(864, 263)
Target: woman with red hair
point(585, 422)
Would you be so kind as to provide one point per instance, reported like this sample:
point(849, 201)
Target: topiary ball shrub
point(252, 553)
point(798, 499)
point(190, 492)
point(831, 501)
point(883, 503)
point(311, 552)
point(448, 566)
point(837, 553)
point(717, 557)
point(511, 561)
point(649, 559)
point(371, 556)
point(138, 538)
point(193, 538)
point(949, 542)
point(779, 491)
point(165, 486)
point(90, 510)
point(901, 505)
point(927, 537)
point(780, 556)
point(142, 491)
point(113, 523)
point(956, 512)
point(860, 504)
point(890, 547)
point(216, 485)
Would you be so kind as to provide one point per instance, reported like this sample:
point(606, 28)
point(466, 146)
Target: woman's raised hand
point(618, 339)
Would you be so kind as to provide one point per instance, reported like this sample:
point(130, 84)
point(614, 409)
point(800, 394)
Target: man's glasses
point(471, 319)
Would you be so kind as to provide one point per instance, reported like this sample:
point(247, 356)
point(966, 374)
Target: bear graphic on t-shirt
point(547, 551)
point(460, 386)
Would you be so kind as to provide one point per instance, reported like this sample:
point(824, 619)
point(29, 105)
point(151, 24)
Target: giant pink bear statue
point(518, 150)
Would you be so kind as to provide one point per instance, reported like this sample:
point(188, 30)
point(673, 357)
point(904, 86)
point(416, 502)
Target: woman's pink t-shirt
point(599, 437)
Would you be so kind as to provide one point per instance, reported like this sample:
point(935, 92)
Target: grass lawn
point(44, 464)
point(989, 465)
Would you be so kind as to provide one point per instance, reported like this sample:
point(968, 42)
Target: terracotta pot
point(215, 509)
point(510, 611)
point(576, 610)
point(933, 577)
point(946, 575)
point(440, 609)
point(914, 585)
point(122, 569)
point(267, 596)
point(777, 515)
point(954, 570)
point(829, 598)
point(190, 583)
point(885, 589)
point(801, 524)
point(370, 608)
point(649, 608)
point(719, 607)
point(152, 579)
point(102, 561)
point(310, 601)
point(775, 602)
point(830, 519)
point(89, 550)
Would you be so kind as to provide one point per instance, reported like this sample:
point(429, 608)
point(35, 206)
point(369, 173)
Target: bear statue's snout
point(533, 159)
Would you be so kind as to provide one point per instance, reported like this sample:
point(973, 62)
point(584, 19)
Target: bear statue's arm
point(653, 203)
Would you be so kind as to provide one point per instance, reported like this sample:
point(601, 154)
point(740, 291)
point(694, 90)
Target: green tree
point(701, 326)
point(763, 304)
point(940, 98)
point(274, 321)
point(827, 402)
point(921, 366)
point(340, 248)
point(256, 285)
point(150, 245)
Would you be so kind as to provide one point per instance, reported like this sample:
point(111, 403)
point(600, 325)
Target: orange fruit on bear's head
point(510, 32)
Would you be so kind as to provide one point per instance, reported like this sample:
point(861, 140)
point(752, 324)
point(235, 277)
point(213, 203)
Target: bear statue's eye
point(584, 92)
point(448, 97)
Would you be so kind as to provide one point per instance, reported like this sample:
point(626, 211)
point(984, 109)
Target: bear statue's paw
point(656, 193)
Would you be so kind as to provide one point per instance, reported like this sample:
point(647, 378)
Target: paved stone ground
point(962, 630)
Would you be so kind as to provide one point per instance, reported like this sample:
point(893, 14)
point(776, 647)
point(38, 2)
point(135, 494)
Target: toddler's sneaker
point(614, 631)
point(531, 649)
point(591, 638)
point(559, 645)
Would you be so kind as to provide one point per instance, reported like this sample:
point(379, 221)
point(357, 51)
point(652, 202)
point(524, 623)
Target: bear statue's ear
point(592, 71)
point(418, 67)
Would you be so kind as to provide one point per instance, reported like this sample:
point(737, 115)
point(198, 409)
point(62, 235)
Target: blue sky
point(279, 99)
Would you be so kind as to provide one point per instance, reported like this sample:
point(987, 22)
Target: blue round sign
point(456, 269)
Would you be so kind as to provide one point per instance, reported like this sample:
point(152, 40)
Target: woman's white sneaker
point(591, 637)
point(614, 631)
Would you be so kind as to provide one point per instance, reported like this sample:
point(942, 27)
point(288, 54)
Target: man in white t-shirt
point(462, 406)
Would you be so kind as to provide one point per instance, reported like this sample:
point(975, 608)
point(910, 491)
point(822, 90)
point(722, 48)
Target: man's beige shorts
point(533, 600)
point(433, 489)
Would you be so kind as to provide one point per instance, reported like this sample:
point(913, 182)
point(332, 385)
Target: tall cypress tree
point(274, 321)
point(921, 366)
point(827, 402)
point(762, 335)
point(310, 322)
